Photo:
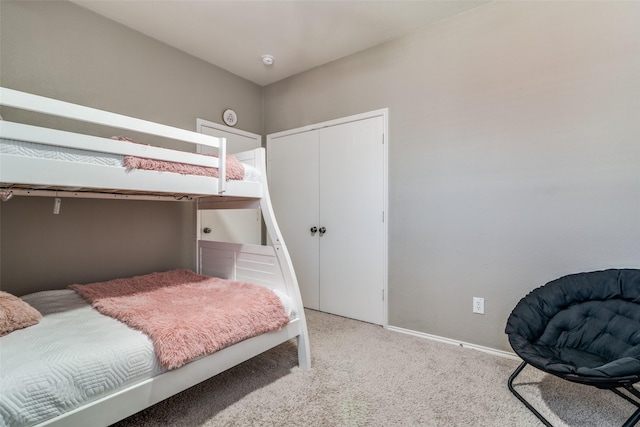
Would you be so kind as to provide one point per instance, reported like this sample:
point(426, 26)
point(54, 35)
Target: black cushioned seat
point(583, 328)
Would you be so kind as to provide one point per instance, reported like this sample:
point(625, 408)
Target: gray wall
point(61, 50)
point(514, 153)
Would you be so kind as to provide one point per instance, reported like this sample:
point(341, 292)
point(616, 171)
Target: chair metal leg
point(632, 421)
point(522, 399)
point(634, 391)
point(627, 398)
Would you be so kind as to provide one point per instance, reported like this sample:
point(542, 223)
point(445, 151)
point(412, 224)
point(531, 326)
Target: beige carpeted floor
point(364, 375)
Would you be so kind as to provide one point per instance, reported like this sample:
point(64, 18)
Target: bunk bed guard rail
point(26, 101)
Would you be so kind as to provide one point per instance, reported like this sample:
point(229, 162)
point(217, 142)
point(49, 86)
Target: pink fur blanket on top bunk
point(235, 169)
point(187, 315)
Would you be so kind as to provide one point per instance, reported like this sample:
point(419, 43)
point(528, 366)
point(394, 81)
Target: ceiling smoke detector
point(267, 59)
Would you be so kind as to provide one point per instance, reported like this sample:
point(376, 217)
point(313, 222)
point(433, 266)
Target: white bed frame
point(269, 266)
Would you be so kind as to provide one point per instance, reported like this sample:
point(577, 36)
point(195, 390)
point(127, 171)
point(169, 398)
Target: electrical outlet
point(478, 305)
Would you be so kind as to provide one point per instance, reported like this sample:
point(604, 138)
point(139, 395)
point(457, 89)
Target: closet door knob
point(206, 230)
point(314, 229)
point(322, 230)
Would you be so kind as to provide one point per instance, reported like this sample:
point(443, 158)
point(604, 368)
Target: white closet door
point(230, 225)
point(352, 255)
point(333, 176)
point(293, 185)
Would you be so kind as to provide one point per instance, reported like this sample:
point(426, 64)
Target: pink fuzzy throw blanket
point(185, 314)
point(235, 169)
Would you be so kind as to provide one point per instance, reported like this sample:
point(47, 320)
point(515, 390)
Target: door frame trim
point(201, 124)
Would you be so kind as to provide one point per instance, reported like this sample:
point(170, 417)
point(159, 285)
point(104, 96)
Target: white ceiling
point(301, 35)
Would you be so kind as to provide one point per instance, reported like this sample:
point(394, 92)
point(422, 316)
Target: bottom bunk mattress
point(73, 356)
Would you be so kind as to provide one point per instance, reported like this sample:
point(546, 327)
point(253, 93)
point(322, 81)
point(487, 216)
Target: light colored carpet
point(364, 375)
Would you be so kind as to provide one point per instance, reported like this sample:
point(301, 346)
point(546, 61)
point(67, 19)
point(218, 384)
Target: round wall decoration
point(230, 117)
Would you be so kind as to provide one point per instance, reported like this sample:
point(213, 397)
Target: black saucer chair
point(584, 328)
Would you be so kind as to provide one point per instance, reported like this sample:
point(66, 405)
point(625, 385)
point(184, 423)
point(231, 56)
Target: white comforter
point(73, 356)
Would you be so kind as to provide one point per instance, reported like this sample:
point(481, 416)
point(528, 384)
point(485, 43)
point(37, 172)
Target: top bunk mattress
point(53, 152)
point(47, 166)
point(88, 170)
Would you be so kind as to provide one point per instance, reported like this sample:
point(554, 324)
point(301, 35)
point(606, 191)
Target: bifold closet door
point(327, 188)
point(293, 185)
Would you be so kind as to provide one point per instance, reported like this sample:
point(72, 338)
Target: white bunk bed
point(58, 176)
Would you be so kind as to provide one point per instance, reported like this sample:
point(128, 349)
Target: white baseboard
point(501, 353)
